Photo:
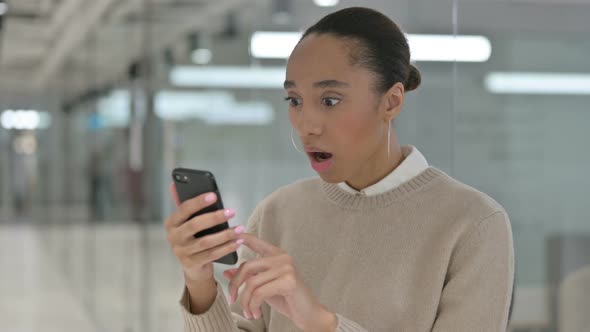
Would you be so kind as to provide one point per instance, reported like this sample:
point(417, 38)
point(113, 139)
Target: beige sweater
point(432, 254)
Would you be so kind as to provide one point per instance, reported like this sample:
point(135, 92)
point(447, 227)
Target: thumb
point(174, 193)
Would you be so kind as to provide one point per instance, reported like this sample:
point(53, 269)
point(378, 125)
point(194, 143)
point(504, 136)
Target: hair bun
point(414, 79)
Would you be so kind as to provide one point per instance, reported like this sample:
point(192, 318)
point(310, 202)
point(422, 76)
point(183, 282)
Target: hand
point(197, 255)
point(272, 278)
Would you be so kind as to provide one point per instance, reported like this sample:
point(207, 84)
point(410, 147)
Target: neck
point(379, 167)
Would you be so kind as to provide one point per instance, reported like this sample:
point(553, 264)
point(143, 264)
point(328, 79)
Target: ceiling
point(71, 44)
point(46, 43)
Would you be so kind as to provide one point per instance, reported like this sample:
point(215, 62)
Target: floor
point(66, 274)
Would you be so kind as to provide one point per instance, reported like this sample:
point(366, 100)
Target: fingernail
point(246, 314)
point(240, 241)
point(256, 315)
point(229, 212)
point(210, 198)
point(231, 299)
point(239, 229)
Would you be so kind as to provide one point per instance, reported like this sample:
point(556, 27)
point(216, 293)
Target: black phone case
point(196, 183)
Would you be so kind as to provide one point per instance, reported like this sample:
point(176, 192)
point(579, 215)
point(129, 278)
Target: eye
point(330, 101)
point(293, 101)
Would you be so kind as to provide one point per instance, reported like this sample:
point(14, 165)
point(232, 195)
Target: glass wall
point(521, 122)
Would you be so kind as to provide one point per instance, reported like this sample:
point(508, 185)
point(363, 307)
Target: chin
point(331, 178)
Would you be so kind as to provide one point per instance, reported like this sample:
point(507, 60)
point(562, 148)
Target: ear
point(392, 101)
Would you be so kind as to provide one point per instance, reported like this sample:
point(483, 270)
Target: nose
point(308, 122)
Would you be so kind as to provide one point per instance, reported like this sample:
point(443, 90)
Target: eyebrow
point(321, 84)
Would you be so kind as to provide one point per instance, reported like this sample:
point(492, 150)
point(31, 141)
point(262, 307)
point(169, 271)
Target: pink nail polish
point(210, 198)
point(240, 241)
point(229, 212)
point(239, 229)
point(246, 314)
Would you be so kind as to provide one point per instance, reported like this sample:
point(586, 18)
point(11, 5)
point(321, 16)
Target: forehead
point(320, 57)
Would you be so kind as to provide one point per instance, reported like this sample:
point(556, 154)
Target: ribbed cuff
point(346, 325)
point(217, 319)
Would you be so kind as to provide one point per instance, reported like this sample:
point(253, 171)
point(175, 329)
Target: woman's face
point(334, 108)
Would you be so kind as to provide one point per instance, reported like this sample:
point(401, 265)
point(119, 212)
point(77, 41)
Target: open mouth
point(321, 161)
point(321, 156)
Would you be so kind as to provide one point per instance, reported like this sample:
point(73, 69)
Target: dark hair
point(378, 45)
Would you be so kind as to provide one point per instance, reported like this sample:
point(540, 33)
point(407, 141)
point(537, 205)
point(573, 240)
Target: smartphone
point(191, 183)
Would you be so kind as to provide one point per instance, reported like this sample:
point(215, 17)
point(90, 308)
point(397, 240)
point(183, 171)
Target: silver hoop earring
point(388, 138)
point(293, 141)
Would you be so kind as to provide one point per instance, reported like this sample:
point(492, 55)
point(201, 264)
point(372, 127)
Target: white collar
point(413, 164)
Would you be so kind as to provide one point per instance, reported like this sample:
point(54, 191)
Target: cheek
point(292, 118)
point(355, 132)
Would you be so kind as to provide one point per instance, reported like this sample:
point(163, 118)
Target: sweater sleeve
point(221, 316)
point(479, 283)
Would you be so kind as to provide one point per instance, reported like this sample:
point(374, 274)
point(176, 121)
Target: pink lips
point(320, 166)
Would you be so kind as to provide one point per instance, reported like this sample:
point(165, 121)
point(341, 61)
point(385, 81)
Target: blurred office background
point(101, 99)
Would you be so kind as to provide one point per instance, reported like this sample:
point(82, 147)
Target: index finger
point(259, 246)
point(189, 207)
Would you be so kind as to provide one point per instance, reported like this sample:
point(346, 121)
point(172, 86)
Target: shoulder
point(466, 213)
point(464, 199)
